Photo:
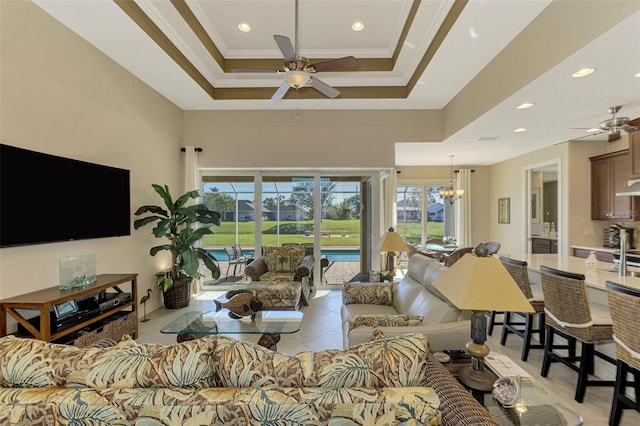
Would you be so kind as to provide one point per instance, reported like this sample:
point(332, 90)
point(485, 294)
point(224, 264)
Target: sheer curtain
point(463, 209)
point(192, 182)
point(387, 214)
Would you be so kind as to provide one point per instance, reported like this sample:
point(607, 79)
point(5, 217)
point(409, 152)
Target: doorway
point(543, 204)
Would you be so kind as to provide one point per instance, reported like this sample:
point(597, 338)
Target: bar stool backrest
point(565, 299)
point(624, 305)
point(519, 272)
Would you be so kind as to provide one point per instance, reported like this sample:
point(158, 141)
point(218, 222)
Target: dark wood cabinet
point(601, 255)
point(610, 173)
point(543, 246)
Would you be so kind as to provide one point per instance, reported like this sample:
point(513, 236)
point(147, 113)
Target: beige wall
point(310, 139)
point(62, 96)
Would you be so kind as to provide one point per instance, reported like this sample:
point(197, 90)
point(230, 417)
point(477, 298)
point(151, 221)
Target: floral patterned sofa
point(216, 380)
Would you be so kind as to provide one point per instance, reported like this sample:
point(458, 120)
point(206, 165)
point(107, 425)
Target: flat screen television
point(45, 198)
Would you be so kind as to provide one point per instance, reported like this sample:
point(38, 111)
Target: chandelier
point(451, 194)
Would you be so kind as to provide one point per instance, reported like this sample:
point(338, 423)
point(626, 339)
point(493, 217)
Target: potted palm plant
point(175, 222)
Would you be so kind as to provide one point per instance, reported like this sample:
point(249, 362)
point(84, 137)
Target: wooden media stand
point(44, 301)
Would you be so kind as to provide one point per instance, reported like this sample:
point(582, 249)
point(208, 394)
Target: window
point(416, 227)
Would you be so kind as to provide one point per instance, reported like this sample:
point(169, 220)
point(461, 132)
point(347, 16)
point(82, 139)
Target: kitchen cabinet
point(610, 173)
point(543, 246)
point(603, 256)
point(634, 152)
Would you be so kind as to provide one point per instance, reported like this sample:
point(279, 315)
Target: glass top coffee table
point(535, 406)
point(269, 324)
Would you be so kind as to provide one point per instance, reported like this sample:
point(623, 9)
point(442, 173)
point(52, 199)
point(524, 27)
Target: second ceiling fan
point(297, 69)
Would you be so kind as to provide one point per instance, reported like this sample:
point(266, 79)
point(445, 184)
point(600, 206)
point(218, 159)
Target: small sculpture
point(143, 302)
point(481, 250)
point(242, 303)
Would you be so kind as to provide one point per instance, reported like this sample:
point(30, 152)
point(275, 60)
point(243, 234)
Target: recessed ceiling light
point(583, 72)
point(525, 105)
point(520, 130)
point(244, 27)
point(638, 74)
point(357, 26)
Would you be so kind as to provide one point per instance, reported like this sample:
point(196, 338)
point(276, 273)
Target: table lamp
point(391, 243)
point(480, 284)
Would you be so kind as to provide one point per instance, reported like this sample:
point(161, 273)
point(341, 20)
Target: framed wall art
point(536, 205)
point(504, 210)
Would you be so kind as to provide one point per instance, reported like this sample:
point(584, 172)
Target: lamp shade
point(481, 284)
point(391, 241)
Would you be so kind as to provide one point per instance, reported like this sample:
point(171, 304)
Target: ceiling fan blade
point(254, 70)
point(635, 122)
point(323, 87)
point(613, 136)
point(334, 64)
point(282, 90)
point(284, 43)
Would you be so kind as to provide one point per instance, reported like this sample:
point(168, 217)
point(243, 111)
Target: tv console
point(46, 300)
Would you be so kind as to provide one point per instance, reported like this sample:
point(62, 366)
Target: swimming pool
point(334, 255)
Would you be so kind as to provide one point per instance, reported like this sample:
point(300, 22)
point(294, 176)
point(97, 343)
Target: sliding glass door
point(321, 210)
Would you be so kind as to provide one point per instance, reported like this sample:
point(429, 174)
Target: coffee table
point(535, 406)
point(270, 324)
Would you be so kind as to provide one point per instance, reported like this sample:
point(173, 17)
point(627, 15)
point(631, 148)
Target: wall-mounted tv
point(45, 198)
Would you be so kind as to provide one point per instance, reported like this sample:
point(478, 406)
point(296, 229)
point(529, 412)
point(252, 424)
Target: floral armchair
point(286, 263)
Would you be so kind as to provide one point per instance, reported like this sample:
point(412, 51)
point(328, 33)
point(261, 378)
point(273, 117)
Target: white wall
point(62, 96)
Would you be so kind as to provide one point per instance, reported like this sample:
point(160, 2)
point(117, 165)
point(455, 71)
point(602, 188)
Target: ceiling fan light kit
point(297, 78)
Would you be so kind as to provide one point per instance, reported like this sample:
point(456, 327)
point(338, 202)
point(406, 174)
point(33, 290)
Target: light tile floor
point(321, 330)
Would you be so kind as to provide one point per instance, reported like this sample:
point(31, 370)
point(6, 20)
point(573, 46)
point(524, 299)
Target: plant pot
point(178, 296)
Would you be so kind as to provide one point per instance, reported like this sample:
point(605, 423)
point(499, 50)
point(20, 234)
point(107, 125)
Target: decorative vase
point(178, 296)
point(592, 261)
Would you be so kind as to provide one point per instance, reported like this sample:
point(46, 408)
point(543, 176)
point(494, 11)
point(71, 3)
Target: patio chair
point(235, 259)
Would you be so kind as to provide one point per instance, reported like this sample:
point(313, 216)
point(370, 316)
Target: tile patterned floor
point(321, 330)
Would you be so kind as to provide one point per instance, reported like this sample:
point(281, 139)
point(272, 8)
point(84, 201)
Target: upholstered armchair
point(286, 263)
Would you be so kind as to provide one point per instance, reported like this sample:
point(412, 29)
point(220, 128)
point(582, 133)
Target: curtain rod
point(197, 149)
point(456, 171)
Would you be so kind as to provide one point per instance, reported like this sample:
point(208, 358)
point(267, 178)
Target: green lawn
point(339, 233)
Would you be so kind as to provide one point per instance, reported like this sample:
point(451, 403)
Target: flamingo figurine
point(143, 302)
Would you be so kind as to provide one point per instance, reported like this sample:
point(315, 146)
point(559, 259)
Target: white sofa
point(445, 326)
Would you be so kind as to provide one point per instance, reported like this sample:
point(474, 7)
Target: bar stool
point(520, 274)
point(624, 305)
point(569, 314)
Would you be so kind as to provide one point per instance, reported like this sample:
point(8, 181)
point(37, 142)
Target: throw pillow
point(382, 320)
point(184, 365)
point(32, 363)
point(377, 334)
point(375, 293)
point(390, 362)
point(242, 364)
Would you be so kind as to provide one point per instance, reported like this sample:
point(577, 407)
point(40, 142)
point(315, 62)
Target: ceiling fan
point(615, 124)
point(298, 71)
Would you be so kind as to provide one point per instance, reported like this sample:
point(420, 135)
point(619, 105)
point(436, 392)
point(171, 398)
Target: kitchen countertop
point(544, 237)
point(593, 279)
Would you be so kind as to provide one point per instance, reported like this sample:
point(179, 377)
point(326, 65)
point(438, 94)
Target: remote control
point(454, 352)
